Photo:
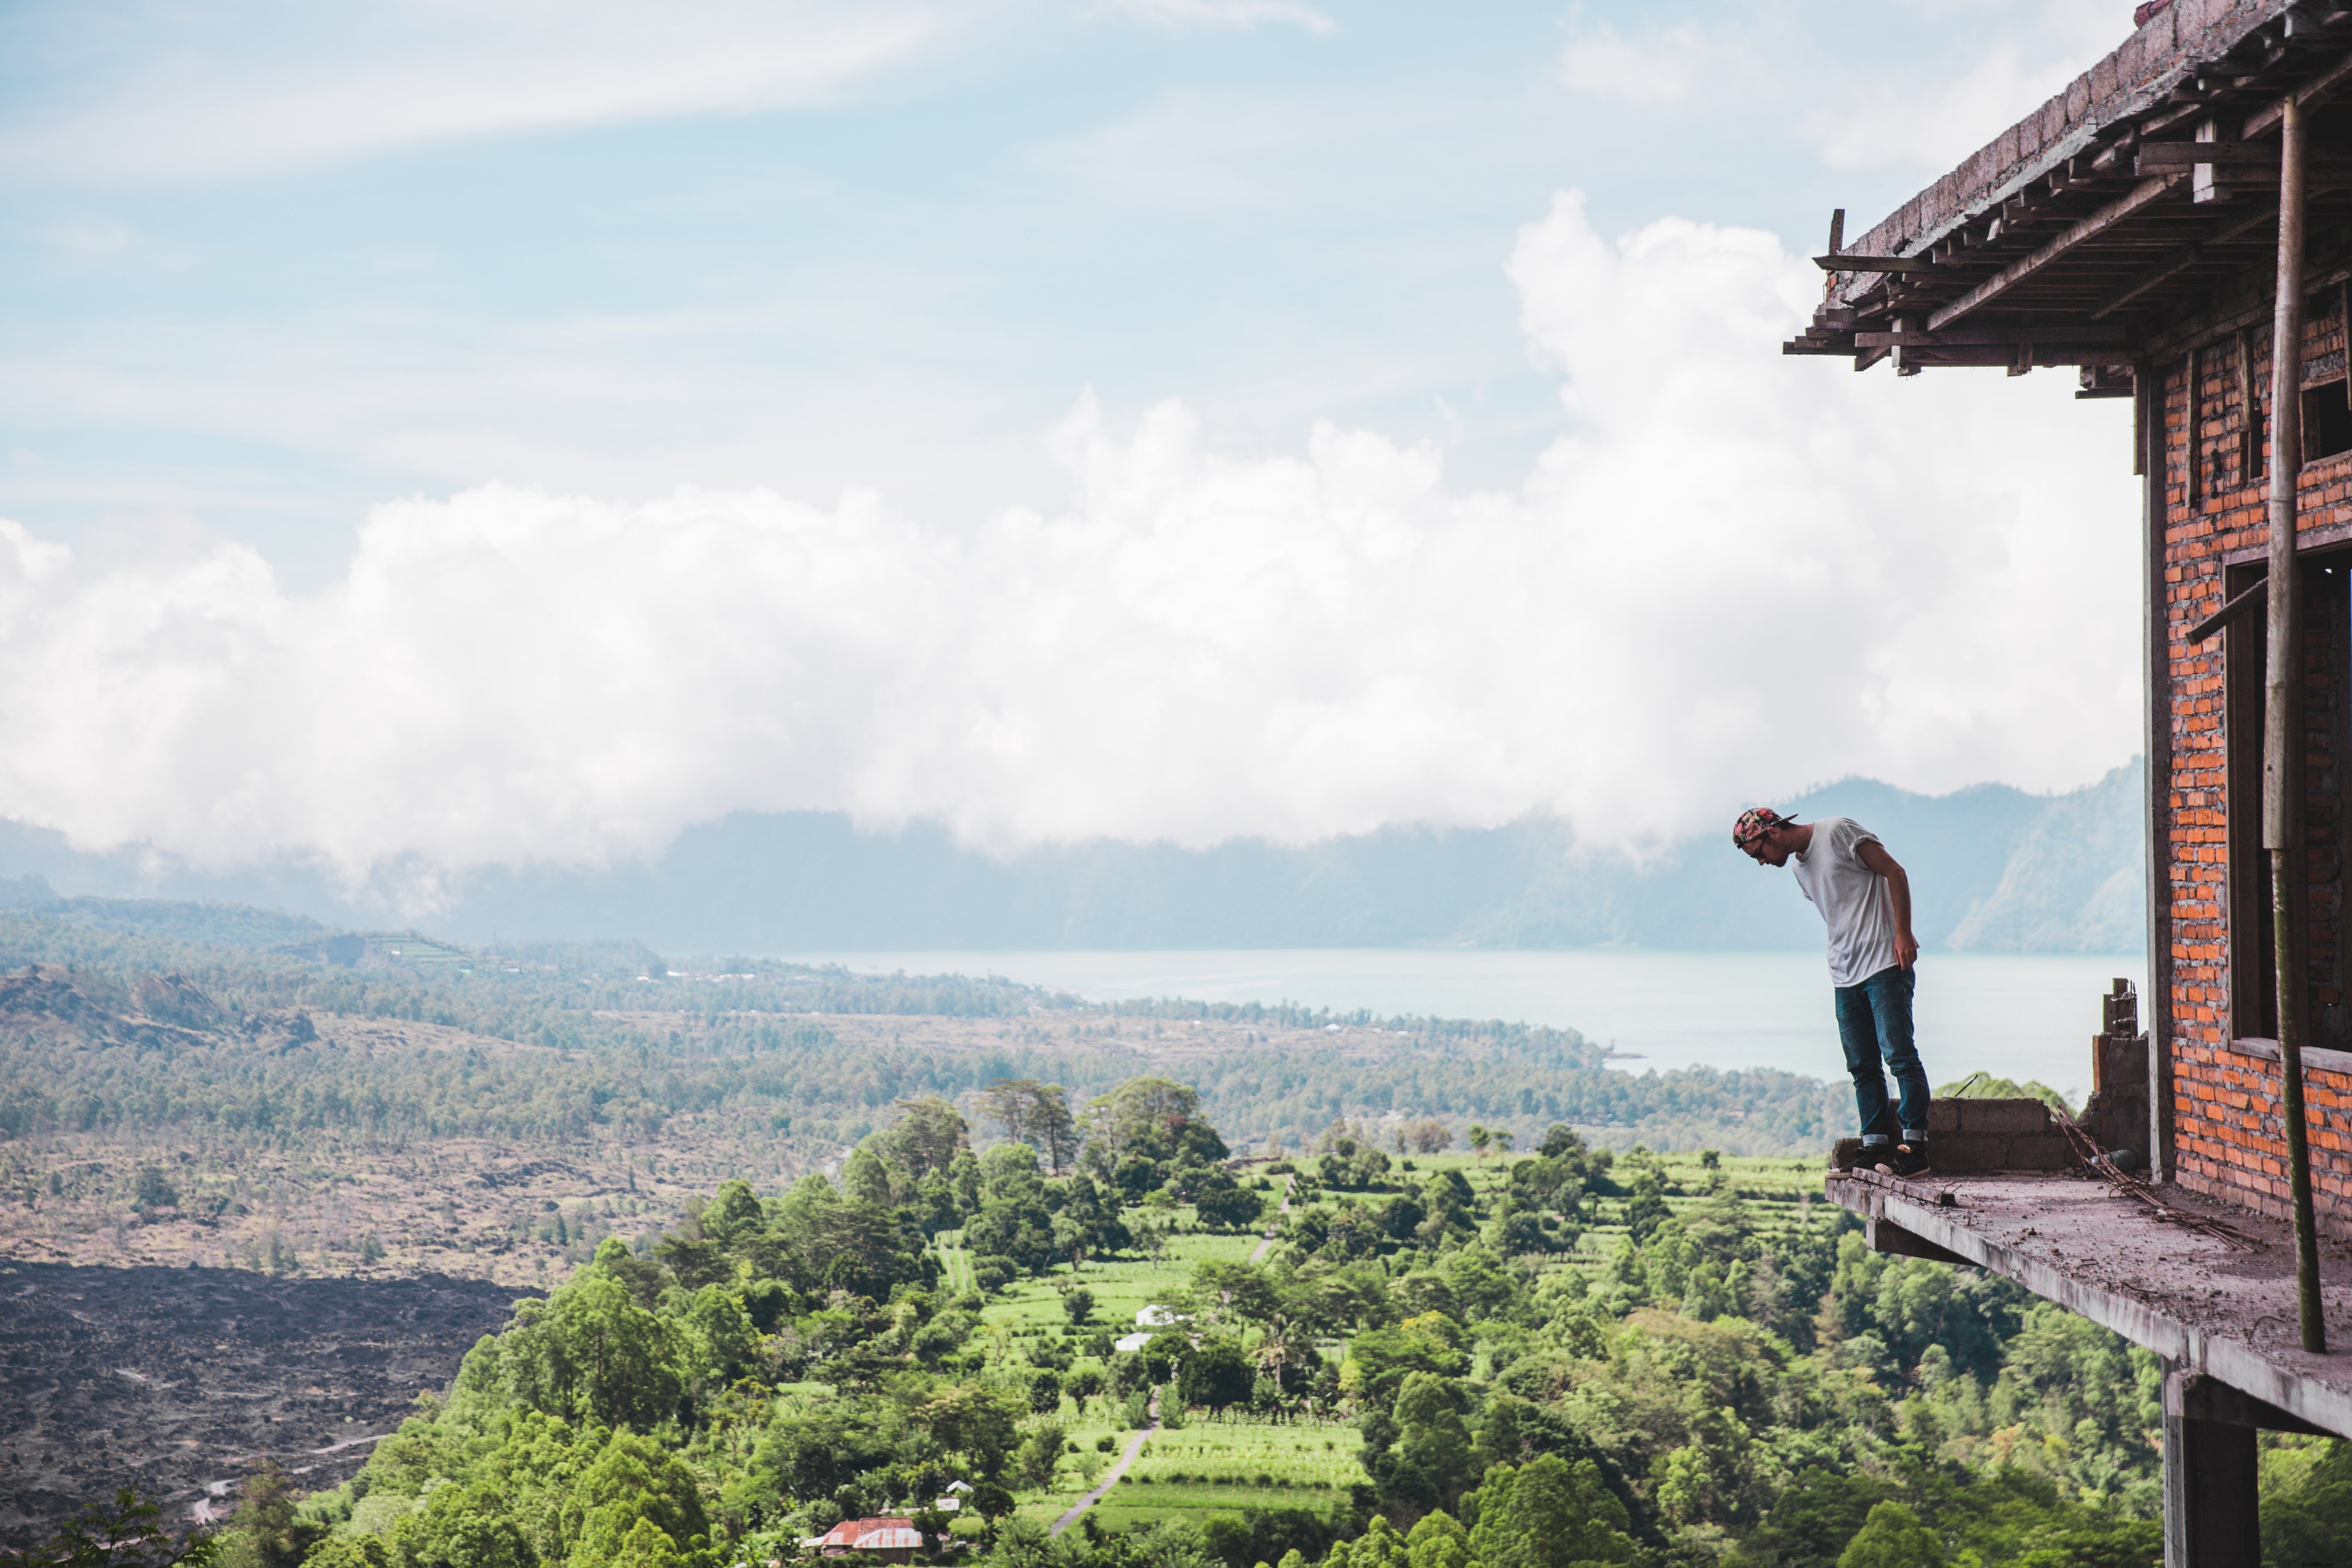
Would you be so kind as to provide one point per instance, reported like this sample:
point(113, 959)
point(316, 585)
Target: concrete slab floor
point(2196, 1299)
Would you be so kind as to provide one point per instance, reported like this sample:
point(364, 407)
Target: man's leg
point(1858, 1034)
point(1890, 995)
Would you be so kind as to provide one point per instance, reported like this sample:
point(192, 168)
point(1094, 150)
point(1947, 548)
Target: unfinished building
point(2176, 226)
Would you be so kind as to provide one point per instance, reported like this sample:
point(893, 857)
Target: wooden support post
point(2282, 711)
point(2155, 654)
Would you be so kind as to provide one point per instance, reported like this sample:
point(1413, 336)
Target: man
point(1866, 900)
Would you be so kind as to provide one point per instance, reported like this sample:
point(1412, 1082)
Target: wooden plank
point(2251, 599)
point(1877, 264)
point(2145, 194)
point(2000, 337)
point(2249, 173)
point(2171, 157)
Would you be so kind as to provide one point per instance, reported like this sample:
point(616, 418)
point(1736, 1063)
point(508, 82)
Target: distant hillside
point(1994, 870)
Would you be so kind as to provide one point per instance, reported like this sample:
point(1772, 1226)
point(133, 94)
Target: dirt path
point(1111, 1477)
point(1271, 1231)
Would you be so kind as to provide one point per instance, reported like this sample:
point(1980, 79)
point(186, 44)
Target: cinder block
point(1961, 1154)
point(1988, 1116)
point(2031, 1154)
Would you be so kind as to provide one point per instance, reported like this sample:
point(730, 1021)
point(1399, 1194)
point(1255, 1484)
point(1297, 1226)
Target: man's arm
point(1873, 854)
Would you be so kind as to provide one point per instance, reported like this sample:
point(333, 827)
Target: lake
point(2012, 1016)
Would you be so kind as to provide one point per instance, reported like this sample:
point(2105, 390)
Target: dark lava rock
point(178, 1381)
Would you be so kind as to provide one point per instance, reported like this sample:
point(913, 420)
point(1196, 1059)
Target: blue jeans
point(1875, 1021)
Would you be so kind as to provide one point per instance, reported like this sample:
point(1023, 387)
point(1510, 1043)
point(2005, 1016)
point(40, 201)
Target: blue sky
point(274, 266)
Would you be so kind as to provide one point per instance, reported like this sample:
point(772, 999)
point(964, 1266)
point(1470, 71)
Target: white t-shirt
point(1854, 900)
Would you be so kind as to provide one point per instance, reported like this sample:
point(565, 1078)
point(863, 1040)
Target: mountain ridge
point(1993, 868)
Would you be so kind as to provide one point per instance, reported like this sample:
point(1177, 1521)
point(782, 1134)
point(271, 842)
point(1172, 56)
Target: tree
point(1223, 1202)
point(1893, 1538)
point(933, 1525)
point(1040, 1454)
point(1013, 1221)
point(1035, 1113)
point(1547, 1513)
point(982, 1425)
point(1480, 1140)
point(266, 1532)
point(1645, 1205)
point(1240, 1288)
point(459, 1527)
point(1155, 1119)
point(1078, 1305)
point(865, 1179)
point(130, 1534)
point(1430, 1463)
point(1045, 1391)
point(590, 1352)
point(635, 1483)
point(1380, 1546)
point(1087, 1226)
point(1430, 1136)
point(1216, 1375)
point(927, 1137)
point(1084, 1384)
point(1008, 1102)
point(1438, 1541)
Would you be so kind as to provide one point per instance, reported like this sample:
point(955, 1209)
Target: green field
point(1212, 1466)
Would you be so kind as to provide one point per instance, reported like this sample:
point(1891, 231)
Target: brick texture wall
point(2227, 1136)
point(2229, 1142)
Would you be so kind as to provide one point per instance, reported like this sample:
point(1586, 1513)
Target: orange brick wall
point(2227, 1137)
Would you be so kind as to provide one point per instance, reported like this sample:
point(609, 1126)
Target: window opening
point(2326, 421)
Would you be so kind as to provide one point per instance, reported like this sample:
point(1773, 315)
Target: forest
point(162, 1031)
point(1530, 1358)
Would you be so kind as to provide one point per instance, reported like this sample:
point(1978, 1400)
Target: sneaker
point(1910, 1160)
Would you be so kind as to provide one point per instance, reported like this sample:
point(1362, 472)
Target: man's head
point(1766, 837)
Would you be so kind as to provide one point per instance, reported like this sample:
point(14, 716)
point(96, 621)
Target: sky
point(459, 434)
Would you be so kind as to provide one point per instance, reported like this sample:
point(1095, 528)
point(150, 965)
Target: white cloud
point(1242, 13)
point(1660, 70)
point(1937, 81)
point(1739, 574)
point(164, 93)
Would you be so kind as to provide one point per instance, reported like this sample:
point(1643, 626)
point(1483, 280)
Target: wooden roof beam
point(1991, 337)
point(2145, 193)
point(2181, 260)
point(2310, 92)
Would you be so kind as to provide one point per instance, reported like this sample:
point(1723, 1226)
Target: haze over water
point(2014, 1017)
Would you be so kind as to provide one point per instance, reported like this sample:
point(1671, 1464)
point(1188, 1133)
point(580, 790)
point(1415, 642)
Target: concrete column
point(2211, 1512)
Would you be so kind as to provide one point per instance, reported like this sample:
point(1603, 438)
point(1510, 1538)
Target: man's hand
point(1873, 854)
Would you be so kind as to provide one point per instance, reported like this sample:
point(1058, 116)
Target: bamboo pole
point(2282, 748)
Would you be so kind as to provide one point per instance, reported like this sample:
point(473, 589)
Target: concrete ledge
point(2192, 1298)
